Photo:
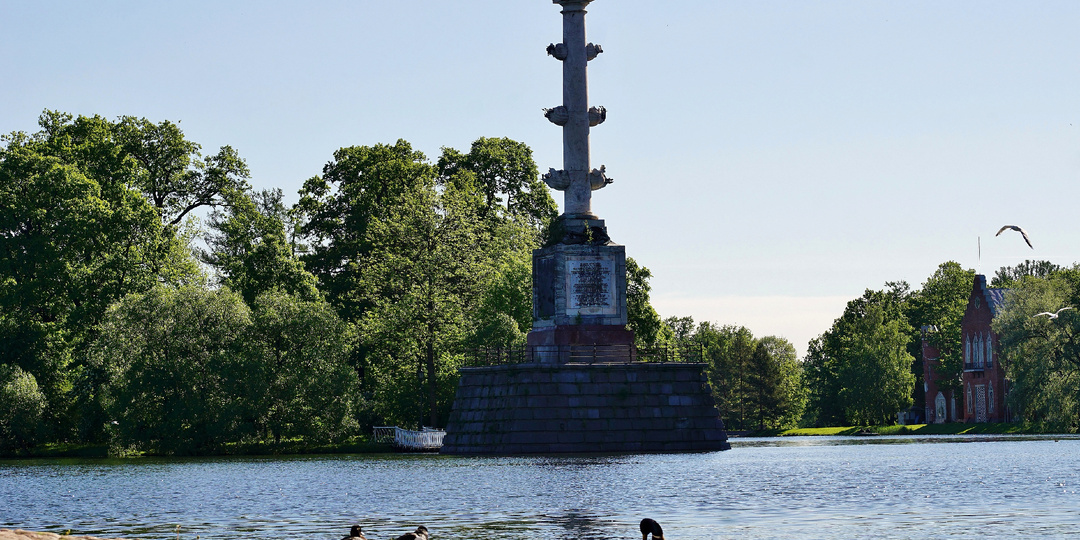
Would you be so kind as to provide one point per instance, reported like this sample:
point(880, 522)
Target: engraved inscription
point(590, 287)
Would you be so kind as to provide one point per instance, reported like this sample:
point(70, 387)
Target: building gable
point(983, 379)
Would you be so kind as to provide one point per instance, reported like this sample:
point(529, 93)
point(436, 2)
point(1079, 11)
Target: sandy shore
point(19, 534)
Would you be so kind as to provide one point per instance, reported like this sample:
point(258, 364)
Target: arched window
point(982, 353)
point(990, 390)
point(989, 350)
point(967, 349)
point(967, 402)
point(939, 408)
point(978, 351)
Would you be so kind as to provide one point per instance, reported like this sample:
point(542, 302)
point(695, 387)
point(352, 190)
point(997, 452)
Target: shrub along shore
point(355, 445)
point(364, 446)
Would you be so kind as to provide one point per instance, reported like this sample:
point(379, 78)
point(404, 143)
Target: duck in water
point(355, 534)
point(650, 526)
point(420, 534)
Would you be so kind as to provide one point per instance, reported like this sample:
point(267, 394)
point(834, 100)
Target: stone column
point(576, 178)
point(578, 196)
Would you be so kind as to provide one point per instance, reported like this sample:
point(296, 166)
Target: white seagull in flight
point(1053, 315)
point(1016, 228)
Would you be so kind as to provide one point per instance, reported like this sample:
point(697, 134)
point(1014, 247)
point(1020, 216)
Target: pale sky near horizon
point(771, 159)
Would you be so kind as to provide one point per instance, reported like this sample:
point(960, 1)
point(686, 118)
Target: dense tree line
point(91, 210)
point(353, 307)
point(858, 371)
point(350, 308)
point(756, 383)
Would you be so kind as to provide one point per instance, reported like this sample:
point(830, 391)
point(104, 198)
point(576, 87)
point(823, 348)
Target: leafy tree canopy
point(755, 382)
point(640, 315)
point(188, 369)
point(1041, 355)
point(76, 234)
point(939, 308)
point(1006, 276)
point(429, 268)
point(859, 371)
point(362, 184)
point(249, 246)
point(21, 407)
point(506, 175)
point(172, 173)
point(175, 367)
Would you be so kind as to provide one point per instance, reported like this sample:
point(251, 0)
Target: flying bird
point(1018, 229)
point(1053, 315)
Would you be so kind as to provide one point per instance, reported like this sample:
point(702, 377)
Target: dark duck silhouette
point(420, 534)
point(650, 526)
point(355, 534)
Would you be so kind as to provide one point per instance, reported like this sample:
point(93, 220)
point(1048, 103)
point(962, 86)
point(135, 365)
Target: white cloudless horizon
point(771, 160)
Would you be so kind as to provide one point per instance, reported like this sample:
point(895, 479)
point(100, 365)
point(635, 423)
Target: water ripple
point(788, 488)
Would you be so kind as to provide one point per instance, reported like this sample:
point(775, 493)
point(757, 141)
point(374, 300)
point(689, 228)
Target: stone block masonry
point(605, 408)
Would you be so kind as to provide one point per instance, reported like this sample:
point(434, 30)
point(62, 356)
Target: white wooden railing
point(410, 440)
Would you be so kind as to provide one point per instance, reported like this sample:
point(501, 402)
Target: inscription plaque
point(590, 287)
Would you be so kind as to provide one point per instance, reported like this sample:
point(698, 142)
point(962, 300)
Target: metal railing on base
point(580, 354)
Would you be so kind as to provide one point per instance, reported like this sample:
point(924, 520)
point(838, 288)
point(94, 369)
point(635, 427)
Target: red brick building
point(983, 383)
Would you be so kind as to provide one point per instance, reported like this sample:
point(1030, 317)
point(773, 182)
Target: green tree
point(175, 365)
point(728, 352)
point(763, 382)
point(301, 384)
point(505, 312)
point(854, 372)
point(428, 268)
point(362, 184)
point(776, 395)
point(21, 407)
point(875, 378)
point(1041, 355)
point(640, 315)
point(249, 247)
point(1006, 276)
point(73, 239)
point(681, 329)
point(426, 260)
point(755, 383)
point(172, 173)
point(793, 392)
point(505, 173)
point(80, 229)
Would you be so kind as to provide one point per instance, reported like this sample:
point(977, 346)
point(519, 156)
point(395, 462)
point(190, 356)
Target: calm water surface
point(819, 487)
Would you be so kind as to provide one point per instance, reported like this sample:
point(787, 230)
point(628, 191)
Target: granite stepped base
point(544, 409)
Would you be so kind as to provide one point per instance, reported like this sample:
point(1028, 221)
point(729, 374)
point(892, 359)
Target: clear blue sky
point(771, 159)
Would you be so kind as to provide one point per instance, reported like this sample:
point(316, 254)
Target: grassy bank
point(915, 429)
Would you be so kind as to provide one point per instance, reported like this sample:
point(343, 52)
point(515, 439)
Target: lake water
point(806, 487)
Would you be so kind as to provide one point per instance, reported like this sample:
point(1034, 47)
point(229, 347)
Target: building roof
point(995, 297)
